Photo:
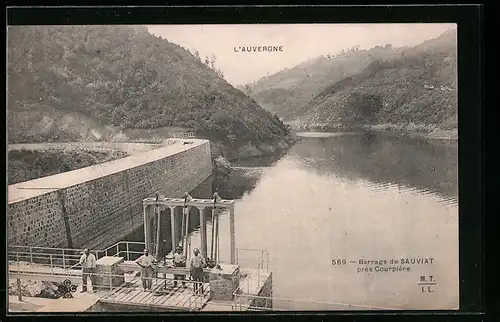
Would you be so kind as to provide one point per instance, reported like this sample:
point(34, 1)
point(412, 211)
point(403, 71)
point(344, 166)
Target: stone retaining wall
point(265, 291)
point(111, 204)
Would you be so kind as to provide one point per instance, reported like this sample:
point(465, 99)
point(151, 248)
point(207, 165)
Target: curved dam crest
point(76, 208)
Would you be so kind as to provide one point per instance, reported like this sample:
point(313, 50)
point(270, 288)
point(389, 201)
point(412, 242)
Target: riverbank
point(232, 181)
point(431, 132)
point(37, 289)
point(426, 131)
point(251, 150)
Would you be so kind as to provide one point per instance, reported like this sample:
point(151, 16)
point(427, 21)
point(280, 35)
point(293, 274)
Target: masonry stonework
point(224, 282)
point(36, 220)
point(107, 207)
point(266, 292)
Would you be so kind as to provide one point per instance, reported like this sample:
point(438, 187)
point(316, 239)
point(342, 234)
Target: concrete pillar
point(178, 223)
point(109, 275)
point(212, 244)
point(224, 282)
point(145, 217)
point(203, 231)
point(217, 240)
point(172, 227)
point(147, 227)
point(183, 226)
point(164, 230)
point(19, 290)
point(158, 232)
point(186, 232)
point(232, 235)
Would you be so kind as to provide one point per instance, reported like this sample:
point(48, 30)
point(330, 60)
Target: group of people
point(196, 265)
point(146, 261)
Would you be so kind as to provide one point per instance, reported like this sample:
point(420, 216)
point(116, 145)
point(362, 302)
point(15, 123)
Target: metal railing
point(64, 258)
point(127, 249)
point(292, 304)
point(247, 297)
point(107, 282)
point(252, 258)
point(159, 285)
point(67, 258)
point(258, 262)
point(183, 135)
point(63, 263)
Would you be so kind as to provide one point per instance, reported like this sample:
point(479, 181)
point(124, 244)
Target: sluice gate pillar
point(152, 208)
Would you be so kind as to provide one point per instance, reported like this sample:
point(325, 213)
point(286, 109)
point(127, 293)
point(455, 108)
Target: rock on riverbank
point(36, 289)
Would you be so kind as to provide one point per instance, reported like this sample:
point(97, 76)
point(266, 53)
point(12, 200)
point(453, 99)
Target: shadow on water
point(276, 203)
point(236, 184)
point(384, 159)
point(261, 161)
point(380, 158)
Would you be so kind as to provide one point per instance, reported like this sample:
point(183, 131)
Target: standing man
point(146, 263)
point(88, 263)
point(179, 261)
point(196, 267)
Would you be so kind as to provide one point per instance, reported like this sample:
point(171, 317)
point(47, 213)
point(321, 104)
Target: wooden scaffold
point(179, 209)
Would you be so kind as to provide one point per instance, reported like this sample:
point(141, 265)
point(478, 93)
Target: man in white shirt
point(179, 261)
point(146, 263)
point(88, 263)
point(196, 266)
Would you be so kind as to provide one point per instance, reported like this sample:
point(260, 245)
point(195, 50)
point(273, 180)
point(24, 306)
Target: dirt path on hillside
point(130, 148)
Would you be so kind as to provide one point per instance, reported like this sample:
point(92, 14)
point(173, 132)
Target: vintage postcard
point(270, 167)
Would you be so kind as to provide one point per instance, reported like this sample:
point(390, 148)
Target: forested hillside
point(417, 90)
point(27, 165)
point(68, 83)
point(287, 91)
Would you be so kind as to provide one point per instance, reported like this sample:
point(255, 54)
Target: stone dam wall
point(94, 206)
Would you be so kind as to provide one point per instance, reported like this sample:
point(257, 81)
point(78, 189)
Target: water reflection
point(373, 197)
point(384, 159)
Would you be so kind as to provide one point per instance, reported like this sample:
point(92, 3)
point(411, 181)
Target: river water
point(351, 196)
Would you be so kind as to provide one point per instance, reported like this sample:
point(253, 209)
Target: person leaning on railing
point(88, 262)
point(196, 266)
point(146, 263)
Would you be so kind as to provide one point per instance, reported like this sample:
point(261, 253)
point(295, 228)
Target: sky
point(299, 42)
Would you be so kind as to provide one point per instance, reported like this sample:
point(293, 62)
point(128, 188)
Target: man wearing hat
point(88, 262)
point(146, 263)
point(179, 261)
point(196, 266)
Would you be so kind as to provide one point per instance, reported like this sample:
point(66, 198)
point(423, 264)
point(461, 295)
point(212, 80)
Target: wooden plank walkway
point(162, 296)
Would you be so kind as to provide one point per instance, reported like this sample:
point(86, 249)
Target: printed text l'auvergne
point(247, 49)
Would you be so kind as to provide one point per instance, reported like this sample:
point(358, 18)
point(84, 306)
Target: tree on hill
point(125, 77)
point(418, 86)
point(287, 91)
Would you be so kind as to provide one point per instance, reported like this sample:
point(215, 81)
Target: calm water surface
point(352, 197)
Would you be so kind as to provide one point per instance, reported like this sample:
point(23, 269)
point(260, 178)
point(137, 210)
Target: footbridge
point(117, 281)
